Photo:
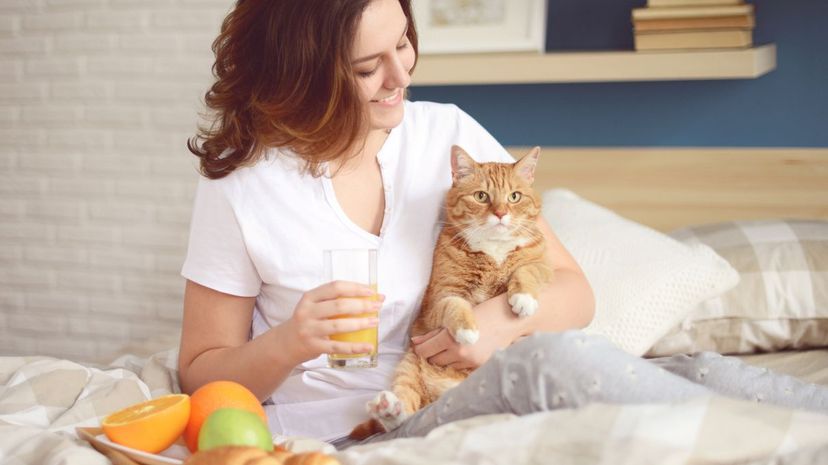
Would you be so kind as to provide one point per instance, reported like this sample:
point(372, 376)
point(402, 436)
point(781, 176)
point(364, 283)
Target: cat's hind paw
point(387, 409)
point(523, 304)
point(466, 337)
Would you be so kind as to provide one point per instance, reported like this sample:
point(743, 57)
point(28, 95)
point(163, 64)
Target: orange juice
point(368, 335)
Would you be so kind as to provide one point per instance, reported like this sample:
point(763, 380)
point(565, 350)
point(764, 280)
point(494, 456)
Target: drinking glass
point(360, 266)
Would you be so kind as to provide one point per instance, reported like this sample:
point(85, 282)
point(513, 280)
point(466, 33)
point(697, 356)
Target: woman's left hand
point(497, 331)
point(442, 350)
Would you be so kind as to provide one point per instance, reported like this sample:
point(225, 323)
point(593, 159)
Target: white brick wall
point(97, 100)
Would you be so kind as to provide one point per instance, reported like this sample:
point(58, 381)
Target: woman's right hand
point(308, 329)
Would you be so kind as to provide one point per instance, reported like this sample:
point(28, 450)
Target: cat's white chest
point(498, 248)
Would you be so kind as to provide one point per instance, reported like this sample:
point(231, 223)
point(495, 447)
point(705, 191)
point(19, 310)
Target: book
point(725, 38)
point(691, 12)
point(683, 24)
point(659, 3)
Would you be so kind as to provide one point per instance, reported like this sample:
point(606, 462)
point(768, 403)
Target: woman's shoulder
point(446, 124)
point(434, 119)
point(432, 110)
point(274, 161)
point(275, 167)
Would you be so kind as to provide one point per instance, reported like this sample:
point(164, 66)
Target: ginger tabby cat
point(489, 245)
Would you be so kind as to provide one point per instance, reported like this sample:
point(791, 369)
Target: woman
point(315, 147)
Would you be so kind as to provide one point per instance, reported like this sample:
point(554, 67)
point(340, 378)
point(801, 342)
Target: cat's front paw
point(523, 304)
point(387, 409)
point(466, 337)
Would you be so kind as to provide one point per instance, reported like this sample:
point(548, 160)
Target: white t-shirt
point(261, 230)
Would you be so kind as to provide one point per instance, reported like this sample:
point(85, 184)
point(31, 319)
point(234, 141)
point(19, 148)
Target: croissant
point(247, 455)
point(311, 458)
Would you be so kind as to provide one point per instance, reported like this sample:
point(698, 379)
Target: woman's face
point(382, 58)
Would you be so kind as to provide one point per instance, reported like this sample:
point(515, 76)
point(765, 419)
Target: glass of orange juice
point(360, 266)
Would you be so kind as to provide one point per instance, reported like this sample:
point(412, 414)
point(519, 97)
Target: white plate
point(173, 455)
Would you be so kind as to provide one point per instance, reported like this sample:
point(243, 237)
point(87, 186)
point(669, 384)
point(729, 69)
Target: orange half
point(150, 426)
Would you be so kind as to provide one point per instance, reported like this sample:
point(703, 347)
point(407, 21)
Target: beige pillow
point(781, 301)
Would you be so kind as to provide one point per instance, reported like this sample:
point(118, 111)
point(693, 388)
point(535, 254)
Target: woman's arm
point(566, 303)
point(214, 344)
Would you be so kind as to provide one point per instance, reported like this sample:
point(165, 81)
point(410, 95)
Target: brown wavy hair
point(284, 79)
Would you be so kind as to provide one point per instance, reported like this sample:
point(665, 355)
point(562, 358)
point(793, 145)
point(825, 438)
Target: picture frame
point(480, 26)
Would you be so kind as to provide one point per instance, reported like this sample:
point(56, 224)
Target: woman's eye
point(514, 197)
point(367, 74)
point(481, 196)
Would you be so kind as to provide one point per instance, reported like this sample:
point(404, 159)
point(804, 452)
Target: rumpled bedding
point(43, 400)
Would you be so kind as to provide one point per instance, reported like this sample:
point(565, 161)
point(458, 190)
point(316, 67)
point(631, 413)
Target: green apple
point(234, 427)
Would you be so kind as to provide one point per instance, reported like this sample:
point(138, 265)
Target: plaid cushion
point(781, 301)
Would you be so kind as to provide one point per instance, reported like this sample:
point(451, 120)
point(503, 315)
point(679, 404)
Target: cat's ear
point(462, 164)
point(525, 167)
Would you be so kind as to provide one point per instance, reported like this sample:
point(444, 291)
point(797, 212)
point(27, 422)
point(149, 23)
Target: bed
point(593, 197)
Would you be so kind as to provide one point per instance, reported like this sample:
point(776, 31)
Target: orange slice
point(150, 426)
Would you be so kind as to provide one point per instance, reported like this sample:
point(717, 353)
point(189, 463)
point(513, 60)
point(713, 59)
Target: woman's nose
point(397, 76)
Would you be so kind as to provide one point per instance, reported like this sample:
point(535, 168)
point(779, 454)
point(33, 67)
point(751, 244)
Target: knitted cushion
point(644, 282)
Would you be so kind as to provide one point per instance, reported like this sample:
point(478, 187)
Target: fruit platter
point(220, 423)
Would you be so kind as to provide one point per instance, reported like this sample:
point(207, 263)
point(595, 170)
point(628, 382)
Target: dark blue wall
point(785, 108)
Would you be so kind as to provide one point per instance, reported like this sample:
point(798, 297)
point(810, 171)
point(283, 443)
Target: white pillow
point(644, 282)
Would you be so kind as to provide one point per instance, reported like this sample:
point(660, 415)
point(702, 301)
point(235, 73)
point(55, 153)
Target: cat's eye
point(514, 197)
point(481, 196)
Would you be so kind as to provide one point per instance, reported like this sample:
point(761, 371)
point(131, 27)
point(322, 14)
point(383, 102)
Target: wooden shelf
point(613, 66)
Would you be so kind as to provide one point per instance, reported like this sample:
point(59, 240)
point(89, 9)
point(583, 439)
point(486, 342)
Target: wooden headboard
point(669, 188)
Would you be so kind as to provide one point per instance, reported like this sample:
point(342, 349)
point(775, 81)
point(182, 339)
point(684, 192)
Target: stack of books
point(693, 24)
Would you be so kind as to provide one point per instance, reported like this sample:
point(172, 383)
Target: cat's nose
point(500, 213)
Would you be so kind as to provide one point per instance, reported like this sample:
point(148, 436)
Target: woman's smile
point(391, 100)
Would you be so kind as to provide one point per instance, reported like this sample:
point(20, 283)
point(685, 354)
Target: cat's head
point(493, 200)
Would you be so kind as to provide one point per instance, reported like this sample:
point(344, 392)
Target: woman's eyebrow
point(376, 55)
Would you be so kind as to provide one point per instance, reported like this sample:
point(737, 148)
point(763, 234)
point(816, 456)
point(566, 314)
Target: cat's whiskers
point(460, 236)
point(471, 230)
point(525, 226)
